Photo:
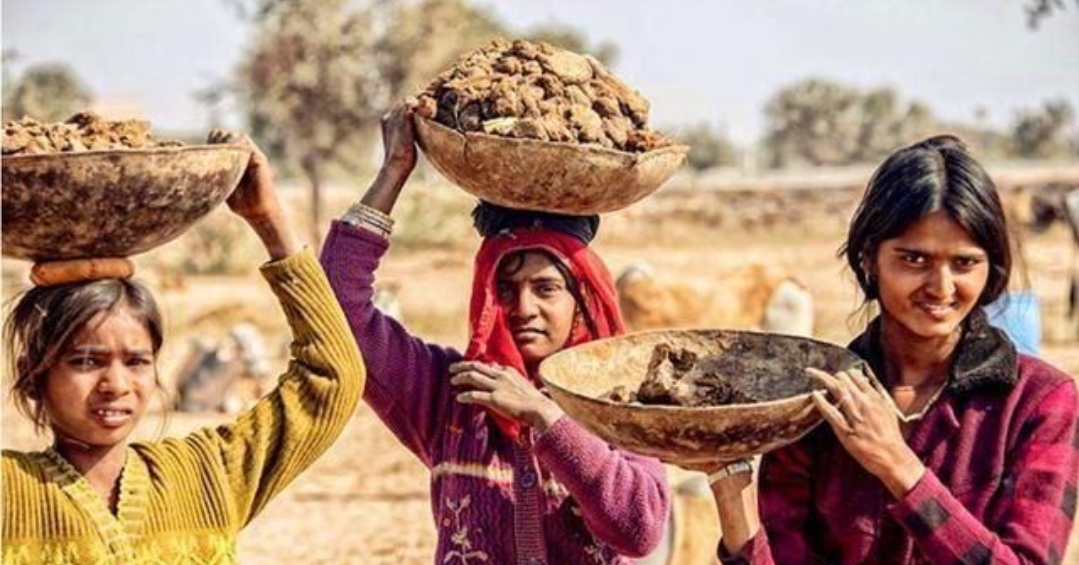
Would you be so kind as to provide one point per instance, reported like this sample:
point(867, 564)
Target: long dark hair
point(935, 174)
point(44, 321)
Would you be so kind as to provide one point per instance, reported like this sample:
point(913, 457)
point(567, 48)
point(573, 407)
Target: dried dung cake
point(679, 377)
point(85, 131)
point(528, 90)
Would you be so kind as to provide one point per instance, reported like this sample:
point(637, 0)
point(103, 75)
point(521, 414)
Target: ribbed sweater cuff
point(298, 265)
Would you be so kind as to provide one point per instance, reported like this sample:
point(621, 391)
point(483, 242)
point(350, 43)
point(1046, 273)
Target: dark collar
point(985, 358)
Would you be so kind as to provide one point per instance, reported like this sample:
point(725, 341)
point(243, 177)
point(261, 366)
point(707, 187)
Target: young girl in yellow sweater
point(83, 357)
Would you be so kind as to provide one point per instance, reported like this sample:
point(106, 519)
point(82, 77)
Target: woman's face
point(99, 389)
point(930, 277)
point(538, 305)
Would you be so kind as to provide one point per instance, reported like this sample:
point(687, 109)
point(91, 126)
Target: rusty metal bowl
point(60, 206)
point(769, 367)
point(528, 174)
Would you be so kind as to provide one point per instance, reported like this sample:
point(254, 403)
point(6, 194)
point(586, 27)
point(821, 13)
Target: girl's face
point(538, 305)
point(930, 277)
point(99, 389)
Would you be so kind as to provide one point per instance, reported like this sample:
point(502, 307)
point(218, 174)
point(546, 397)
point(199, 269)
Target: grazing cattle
point(228, 376)
point(755, 297)
point(231, 374)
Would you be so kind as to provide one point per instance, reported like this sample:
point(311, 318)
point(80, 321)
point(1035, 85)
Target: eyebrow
point(92, 349)
point(550, 279)
point(972, 254)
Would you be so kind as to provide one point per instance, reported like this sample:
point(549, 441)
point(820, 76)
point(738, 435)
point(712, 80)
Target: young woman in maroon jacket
point(953, 448)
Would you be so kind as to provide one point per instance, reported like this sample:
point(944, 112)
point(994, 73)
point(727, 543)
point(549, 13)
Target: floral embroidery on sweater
point(597, 550)
point(463, 551)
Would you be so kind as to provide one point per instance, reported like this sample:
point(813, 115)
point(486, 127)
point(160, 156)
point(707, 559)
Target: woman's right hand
point(399, 145)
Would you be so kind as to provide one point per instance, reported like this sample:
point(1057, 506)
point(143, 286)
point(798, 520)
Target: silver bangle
point(368, 218)
point(730, 469)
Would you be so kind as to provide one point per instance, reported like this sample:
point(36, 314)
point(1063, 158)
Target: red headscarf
point(491, 340)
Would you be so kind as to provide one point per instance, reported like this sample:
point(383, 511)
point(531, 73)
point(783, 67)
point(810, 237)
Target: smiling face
point(99, 388)
point(929, 278)
point(537, 303)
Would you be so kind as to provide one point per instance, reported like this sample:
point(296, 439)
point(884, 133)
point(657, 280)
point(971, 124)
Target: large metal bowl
point(529, 174)
point(769, 367)
point(118, 203)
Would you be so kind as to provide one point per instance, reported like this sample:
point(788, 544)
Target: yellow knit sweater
point(185, 500)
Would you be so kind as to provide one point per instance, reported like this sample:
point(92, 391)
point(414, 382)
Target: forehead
point(935, 232)
point(527, 266)
point(118, 328)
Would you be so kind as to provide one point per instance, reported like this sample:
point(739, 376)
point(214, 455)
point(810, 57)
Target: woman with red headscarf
point(513, 480)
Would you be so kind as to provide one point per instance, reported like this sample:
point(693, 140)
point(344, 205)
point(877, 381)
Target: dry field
point(365, 501)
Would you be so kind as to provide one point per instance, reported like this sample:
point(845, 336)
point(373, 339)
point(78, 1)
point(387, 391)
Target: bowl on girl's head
point(763, 384)
point(113, 203)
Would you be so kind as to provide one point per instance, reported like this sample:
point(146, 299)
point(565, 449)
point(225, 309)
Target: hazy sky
point(696, 60)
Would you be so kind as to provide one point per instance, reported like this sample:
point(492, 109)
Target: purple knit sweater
point(561, 497)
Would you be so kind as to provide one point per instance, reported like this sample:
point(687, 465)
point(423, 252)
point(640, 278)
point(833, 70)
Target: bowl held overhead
point(111, 203)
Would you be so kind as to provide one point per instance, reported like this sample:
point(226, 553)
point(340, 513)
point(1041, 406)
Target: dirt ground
point(365, 501)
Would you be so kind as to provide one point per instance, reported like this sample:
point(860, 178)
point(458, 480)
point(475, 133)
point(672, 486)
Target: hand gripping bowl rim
point(796, 414)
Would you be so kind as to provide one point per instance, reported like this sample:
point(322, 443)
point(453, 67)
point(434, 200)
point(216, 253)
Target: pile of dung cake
point(679, 377)
point(85, 131)
point(531, 90)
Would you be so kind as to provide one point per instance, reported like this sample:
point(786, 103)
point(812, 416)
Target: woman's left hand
point(505, 391)
point(864, 420)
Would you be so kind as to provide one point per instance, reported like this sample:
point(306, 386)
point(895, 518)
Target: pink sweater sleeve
point(407, 382)
point(624, 498)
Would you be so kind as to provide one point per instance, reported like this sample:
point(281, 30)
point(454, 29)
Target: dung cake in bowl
point(691, 397)
point(530, 126)
point(90, 187)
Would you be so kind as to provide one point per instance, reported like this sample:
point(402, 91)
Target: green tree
point(49, 92)
point(319, 74)
point(708, 148)
point(822, 122)
point(1042, 133)
point(307, 88)
point(420, 40)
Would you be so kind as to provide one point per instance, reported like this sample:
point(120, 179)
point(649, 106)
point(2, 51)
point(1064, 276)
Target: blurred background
point(787, 106)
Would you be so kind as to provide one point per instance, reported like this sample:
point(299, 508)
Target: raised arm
point(269, 445)
point(408, 385)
